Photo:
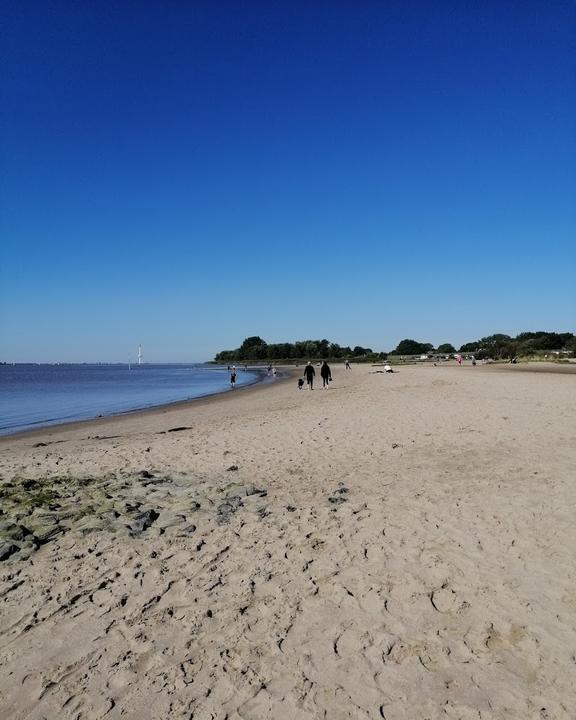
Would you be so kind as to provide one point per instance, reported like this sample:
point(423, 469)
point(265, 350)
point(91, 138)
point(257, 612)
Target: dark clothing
point(325, 371)
point(309, 373)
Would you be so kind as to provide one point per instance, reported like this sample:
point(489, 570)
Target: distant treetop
point(411, 347)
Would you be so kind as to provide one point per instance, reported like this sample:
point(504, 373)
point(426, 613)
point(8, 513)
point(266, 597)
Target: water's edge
point(261, 378)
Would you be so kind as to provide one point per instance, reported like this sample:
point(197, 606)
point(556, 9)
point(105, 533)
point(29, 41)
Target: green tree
point(252, 342)
point(446, 348)
point(311, 349)
point(469, 347)
point(359, 351)
point(411, 347)
point(324, 348)
point(497, 346)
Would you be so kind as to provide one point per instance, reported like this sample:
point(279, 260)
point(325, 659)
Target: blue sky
point(184, 175)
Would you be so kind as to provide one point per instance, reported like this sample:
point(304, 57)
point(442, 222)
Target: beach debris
point(232, 468)
point(148, 478)
point(37, 511)
point(336, 500)
point(395, 445)
point(13, 531)
point(44, 533)
point(143, 521)
point(7, 549)
point(179, 429)
point(226, 509)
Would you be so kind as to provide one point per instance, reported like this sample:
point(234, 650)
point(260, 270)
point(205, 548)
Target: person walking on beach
point(348, 364)
point(326, 374)
point(309, 373)
point(233, 377)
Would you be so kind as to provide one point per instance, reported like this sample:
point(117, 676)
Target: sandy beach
point(398, 546)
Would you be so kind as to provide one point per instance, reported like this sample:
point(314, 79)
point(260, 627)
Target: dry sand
point(396, 547)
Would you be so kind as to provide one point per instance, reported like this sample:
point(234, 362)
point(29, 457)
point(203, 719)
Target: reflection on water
point(32, 395)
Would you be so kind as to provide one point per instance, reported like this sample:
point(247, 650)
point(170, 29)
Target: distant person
point(233, 377)
point(245, 368)
point(348, 364)
point(326, 374)
point(274, 371)
point(473, 360)
point(459, 359)
point(300, 383)
point(309, 373)
point(388, 368)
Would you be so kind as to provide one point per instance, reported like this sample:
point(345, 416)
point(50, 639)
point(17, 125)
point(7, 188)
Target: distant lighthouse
point(140, 355)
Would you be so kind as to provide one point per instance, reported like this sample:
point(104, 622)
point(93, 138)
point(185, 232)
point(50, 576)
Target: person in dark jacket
point(326, 374)
point(309, 373)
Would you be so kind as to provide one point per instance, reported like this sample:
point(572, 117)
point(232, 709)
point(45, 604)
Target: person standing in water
point(309, 373)
point(326, 374)
point(233, 377)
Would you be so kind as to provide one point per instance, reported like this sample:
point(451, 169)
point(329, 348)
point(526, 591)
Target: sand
point(398, 546)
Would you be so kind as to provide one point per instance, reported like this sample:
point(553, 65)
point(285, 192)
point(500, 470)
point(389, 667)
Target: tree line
point(255, 349)
point(525, 344)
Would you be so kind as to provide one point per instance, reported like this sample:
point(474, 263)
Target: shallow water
point(36, 395)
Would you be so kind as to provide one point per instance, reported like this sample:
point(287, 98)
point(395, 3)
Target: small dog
point(300, 383)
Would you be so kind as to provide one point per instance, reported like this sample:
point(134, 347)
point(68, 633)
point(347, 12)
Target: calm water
point(34, 395)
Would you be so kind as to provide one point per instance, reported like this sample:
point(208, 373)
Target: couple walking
point(325, 374)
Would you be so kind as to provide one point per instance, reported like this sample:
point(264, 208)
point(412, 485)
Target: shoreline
point(162, 409)
point(287, 372)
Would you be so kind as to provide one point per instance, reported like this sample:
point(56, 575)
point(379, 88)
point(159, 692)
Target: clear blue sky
point(186, 174)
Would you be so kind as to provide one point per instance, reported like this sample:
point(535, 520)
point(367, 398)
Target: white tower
point(139, 354)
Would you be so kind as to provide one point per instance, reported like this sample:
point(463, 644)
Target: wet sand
point(398, 546)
